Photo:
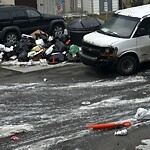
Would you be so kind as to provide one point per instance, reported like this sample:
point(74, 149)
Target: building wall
point(46, 6)
point(7, 2)
point(87, 6)
point(67, 6)
point(115, 5)
point(96, 8)
point(31, 3)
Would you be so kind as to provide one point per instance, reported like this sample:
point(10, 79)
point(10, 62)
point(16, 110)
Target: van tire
point(11, 37)
point(127, 65)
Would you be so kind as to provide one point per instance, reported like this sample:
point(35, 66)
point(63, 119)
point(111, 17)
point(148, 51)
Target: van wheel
point(11, 38)
point(127, 65)
point(57, 30)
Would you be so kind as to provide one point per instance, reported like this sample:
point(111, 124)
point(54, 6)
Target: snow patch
point(115, 101)
point(101, 83)
point(8, 130)
point(144, 147)
point(43, 144)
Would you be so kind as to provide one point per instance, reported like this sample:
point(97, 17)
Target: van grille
point(92, 50)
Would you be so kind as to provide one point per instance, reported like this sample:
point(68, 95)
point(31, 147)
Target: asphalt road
point(53, 107)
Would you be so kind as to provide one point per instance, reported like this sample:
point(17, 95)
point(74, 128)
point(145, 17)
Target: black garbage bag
point(23, 56)
point(72, 58)
point(25, 44)
point(64, 38)
point(56, 58)
point(60, 46)
point(7, 55)
point(28, 43)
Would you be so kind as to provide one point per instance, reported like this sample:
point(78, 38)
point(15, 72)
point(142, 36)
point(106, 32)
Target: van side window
point(144, 28)
point(4, 17)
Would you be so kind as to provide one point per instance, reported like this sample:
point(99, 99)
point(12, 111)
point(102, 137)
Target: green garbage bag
point(74, 49)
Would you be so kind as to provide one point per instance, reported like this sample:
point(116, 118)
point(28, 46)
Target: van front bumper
point(97, 61)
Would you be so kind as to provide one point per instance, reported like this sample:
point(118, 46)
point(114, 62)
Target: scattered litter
point(109, 125)
point(45, 79)
point(121, 132)
point(142, 114)
point(86, 103)
point(15, 138)
point(144, 93)
point(40, 42)
point(43, 62)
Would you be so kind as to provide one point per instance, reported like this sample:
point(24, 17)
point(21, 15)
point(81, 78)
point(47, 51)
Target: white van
point(123, 42)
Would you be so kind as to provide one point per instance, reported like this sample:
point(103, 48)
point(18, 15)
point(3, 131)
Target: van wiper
point(109, 33)
point(101, 31)
point(113, 33)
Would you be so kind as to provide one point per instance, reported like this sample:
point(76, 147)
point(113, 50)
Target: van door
point(143, 40)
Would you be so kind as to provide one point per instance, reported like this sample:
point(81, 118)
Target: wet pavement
point(57, 103)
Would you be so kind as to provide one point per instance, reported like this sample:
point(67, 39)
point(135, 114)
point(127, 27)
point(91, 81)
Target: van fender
point(11, 28)
point(131, 53)
point(128, 53)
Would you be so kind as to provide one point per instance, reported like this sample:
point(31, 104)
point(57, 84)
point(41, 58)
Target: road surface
point(49, 109)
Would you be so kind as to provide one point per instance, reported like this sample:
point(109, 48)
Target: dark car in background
point(17, 20)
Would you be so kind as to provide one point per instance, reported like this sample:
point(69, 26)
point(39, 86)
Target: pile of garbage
point(39, 46)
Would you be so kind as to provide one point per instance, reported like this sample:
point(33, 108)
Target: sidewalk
point(25, 69)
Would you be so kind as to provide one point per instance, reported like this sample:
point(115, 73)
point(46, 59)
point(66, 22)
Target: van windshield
point(119, 26)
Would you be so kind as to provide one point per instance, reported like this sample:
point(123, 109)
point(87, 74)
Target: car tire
point(127, 65)
point(11, 38)
point(57, 30)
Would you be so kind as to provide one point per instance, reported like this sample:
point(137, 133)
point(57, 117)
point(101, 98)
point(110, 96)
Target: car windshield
point(119, 26)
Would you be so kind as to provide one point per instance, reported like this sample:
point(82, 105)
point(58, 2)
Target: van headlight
point(109, 52)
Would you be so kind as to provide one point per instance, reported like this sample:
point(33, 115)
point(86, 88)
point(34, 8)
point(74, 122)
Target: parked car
point(17, 20)
point(123, 42)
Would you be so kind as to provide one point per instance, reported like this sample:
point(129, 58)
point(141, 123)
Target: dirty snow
point(8, 130)
point(72, 112)
point(145, 145)
point(43, 144)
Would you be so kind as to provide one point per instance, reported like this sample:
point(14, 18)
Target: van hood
point(101, 40)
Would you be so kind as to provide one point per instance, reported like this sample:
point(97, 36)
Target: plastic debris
point(86, 103)
point(49, 50)
point(121, 132)
point(43, 62)
point(45, 79)
point(40, 42)
point(109, 125)
point(142, 114)
point(15, 138)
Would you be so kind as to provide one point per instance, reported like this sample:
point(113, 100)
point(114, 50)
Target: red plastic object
point(110, 125)
point(14, 138)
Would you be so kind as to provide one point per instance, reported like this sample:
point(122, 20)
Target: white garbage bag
point(40, 42)
point(6, 49)
point(142, 114)
point(49, 50)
